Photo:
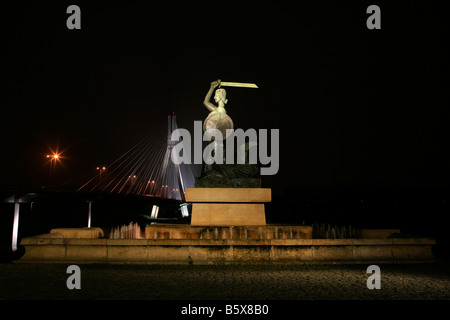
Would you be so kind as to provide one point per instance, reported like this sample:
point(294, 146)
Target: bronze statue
point(226, 174)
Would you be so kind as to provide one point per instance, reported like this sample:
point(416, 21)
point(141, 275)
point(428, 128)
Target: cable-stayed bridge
point(146, 170)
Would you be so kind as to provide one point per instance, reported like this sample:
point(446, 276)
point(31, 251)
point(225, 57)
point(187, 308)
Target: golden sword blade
point(238, 84)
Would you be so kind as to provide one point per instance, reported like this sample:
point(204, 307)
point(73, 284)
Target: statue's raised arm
point(207, 102)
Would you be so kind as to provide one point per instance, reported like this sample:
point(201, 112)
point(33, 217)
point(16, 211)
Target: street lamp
point(100, 171)
point(132, 179)
point(53, 158)
point(151, 186)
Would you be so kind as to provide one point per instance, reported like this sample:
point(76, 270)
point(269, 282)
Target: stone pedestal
point(228, 206)
point(188, 232)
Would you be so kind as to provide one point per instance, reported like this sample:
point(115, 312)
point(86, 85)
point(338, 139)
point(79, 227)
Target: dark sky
point(354, 106)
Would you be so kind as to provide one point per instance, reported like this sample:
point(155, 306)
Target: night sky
point(354, 106)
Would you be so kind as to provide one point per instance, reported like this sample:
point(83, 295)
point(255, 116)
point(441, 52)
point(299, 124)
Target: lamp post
point(53, 158)
point(89, 212)
point(100, 171)
point(151, 185)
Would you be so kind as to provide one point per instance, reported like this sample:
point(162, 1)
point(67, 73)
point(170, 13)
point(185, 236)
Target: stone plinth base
point(147, 251)
point(228, 214)
point(267, 232)
point(229, 195)
point(228, 206)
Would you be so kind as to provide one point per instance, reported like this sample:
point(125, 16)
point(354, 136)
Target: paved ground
point(225, 282)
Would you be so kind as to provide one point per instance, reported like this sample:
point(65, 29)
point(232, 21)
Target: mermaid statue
point(225, 175)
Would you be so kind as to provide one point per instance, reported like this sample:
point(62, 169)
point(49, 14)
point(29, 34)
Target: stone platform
point(208, 251)
point(187, 244)
point(228, 206)
point(265, 232)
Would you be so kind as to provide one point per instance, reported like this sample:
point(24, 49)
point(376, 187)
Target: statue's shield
point(220, 121)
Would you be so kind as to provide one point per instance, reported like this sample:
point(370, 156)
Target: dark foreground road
point(225, 282)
